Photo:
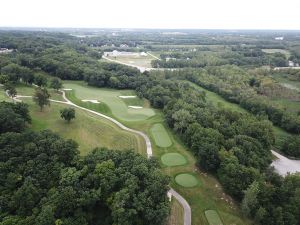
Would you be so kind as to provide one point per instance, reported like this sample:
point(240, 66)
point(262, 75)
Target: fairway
point(213, 217)
point(88, 130)
point(160, 135)
point(110, 97)
point(186, 180)
point(173, 159)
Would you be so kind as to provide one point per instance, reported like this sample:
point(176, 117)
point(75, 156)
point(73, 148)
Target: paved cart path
point(179, 198)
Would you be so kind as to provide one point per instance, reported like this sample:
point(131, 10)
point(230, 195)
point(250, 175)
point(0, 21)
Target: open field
point(208, 195)
point(273, 50)
point(110, 97)
point(213, 217)
point(142, 61)
point(88, 130)
point(160, 135)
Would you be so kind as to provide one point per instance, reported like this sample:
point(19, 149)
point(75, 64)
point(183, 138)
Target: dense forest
point(233, 146)
point(104, 187)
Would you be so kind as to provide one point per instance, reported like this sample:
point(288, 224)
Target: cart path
point(179, 198)
point(284, 165)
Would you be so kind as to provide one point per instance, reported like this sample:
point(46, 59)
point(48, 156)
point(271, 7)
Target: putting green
point(173, 159)
point(160, 135)
point(213, 217)
point(111, 98)
point(186, 180)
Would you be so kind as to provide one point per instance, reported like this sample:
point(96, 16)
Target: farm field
point(88, 130)
point(142, 61)
point(208, 195)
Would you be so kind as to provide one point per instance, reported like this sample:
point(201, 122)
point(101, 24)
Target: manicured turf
point(186, 180)
point(173, 159)
point(88, 130)
point(160, 135)
point(110, 97)
point(213, 217)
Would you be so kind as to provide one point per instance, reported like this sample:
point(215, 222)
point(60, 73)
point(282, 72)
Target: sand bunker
point(129, 96)
point(67, 89)
point(135, 107)
point(92, 101)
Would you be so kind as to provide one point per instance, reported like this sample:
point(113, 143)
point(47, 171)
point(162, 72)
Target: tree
point(41, 97)
point(56, 84)
point(11, 90)
point(67, 114)
point(40, 80)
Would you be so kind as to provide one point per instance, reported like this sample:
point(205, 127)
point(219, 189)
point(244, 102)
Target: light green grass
point(160, 135)
point(88, 130)
point(143, 61)
point(110, 97)
point(201, 197)
point(213, 217)
point(173, 159)
point(274, 50)
point(186, 180)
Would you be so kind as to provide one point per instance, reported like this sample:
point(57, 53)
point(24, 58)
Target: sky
point(171, 14)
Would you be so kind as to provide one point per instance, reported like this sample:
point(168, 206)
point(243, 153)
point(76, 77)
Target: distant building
point(279, 38)
point(5, 50)
point(124, 46)
point(291, 64)
point(143, 54)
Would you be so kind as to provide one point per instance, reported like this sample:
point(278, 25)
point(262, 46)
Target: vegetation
point(41, 97)
point(93, 189)
point(67, 114)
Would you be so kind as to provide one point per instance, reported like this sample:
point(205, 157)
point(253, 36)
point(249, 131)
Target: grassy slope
point(207, 196)
point(88, 130)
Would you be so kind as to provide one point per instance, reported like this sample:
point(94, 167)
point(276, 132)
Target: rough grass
point(208, 195)
point(88, 130)
point(213, 217)
point(173, 159)
point(118, 107)
point(177, 213)
point(186, 180)
point(160, 135)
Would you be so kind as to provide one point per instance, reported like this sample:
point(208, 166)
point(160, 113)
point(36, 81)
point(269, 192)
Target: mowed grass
point(29, 90)
point(117, 106)
point(88, 130)
point(173, 159)
point(186, 180)
point(160, 135)
point(213, 217)
point(209, 195)
point(143, 61)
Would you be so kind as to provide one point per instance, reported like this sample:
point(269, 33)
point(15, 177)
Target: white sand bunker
point(92, 101)
point(127, 96)
point(135, 107)
point(67, 89)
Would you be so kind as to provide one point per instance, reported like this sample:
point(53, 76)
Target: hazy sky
point(223, 14)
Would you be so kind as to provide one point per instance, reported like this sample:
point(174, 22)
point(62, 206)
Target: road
point(179, 198)
point(284, 165)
